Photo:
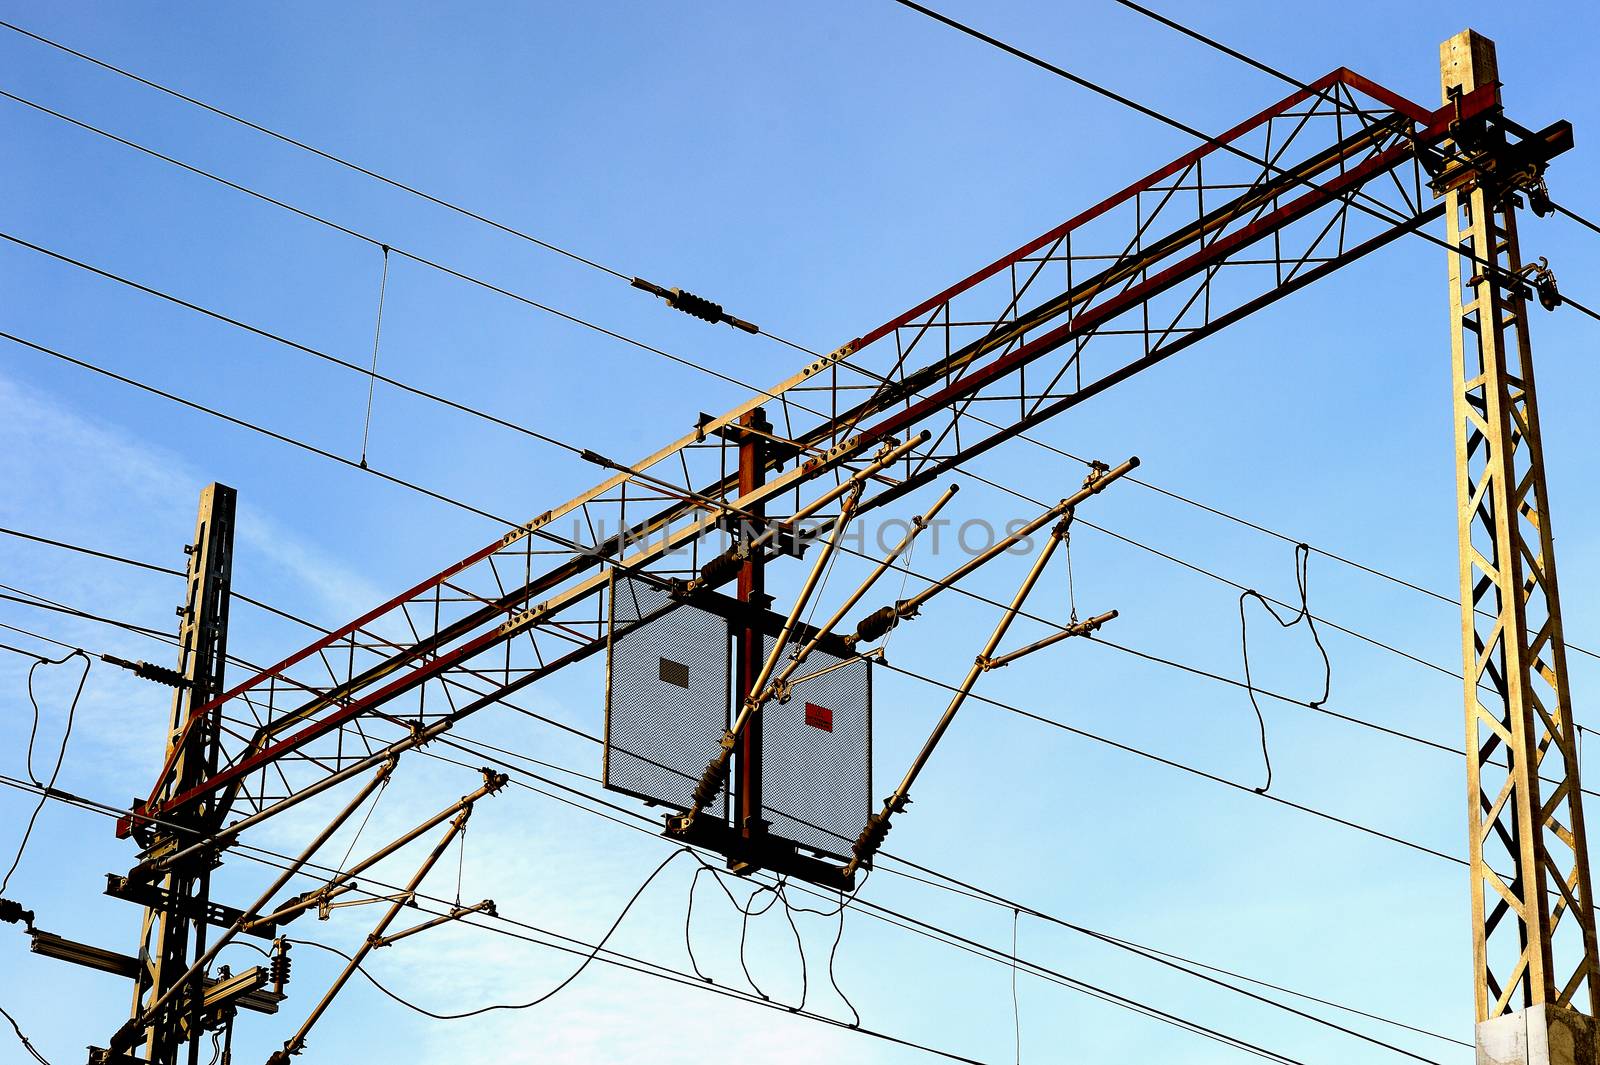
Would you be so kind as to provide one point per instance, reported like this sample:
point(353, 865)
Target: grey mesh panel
point(817, 784)
point(667, 695)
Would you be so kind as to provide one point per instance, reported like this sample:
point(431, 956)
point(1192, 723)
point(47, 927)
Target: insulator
point(150, 671)
point(871, 838)
point(876, 624)
point(699, 306)
point(13, 913)
point(705, 792)
point(721, 570)
point(1539, 198)
point(278, 968)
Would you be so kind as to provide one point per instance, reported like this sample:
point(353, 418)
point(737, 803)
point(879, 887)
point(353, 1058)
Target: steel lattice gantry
point(1325, 176)
point(1307, 186)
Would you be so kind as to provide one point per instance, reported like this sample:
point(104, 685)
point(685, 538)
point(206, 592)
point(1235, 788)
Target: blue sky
point(817, 169)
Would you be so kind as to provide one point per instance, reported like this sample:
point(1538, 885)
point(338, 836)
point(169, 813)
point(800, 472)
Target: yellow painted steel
point(1533, 927)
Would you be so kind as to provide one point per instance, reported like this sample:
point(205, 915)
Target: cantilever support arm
point(456, 913)
point(880, 621)
point(493, 782)
point(129, 1033)
point(918, 524)
point(1087, 627)
point(877, 826)
point(344, 881)
point(716, 771)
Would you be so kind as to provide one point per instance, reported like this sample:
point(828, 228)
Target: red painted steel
point(1341, 76)
point(1434, 127)
point(1479, 102)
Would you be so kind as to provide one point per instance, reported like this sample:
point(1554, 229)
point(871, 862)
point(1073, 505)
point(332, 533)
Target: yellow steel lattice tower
point(1535, 970)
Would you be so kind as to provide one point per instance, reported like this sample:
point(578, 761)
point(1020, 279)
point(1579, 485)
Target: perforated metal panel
point(816, 756)
point(667, 690)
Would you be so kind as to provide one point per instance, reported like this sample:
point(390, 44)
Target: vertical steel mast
point(174, 930)
point(1529, 858)
point(750, 645)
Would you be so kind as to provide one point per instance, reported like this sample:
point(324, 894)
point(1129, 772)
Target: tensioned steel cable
point(700, 367)
point(270, 858)
point(966, 592)
point(1282, 75)
point(591, 456)
point(35, 601)
point(1354, 201)
point(329, 156)
point(469, 745)
point(275, 860)
point(162, 88)
point(477, 747)
point(467, 409)
point(649, 827)
point(963, 591)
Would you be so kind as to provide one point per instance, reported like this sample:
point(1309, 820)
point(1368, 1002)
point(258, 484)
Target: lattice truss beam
point(1278, 201)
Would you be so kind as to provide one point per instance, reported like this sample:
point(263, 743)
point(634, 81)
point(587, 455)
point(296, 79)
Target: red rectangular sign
point(819, 717)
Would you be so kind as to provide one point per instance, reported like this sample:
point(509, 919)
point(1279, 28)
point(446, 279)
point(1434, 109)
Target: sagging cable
point(1302, 577)
point(132, 1031)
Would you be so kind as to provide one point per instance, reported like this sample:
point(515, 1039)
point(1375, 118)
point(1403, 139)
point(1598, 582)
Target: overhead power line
point(271, 858)
point(1284, 76)
point(1575, 216)
point(966, 592)
point(582, 452)
point(478, 748)
point(699, 367)
point(455, 405)
point(676, 298)
point(592, 456)
point(294, 142)
point(1381, 212)
point(649, 827)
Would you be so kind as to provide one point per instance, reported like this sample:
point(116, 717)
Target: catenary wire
point(1044, 719)
point(469, 746)
point(33, 600)
point(322, 452)
point(308, 215)
point(1354, 201)
point(464, 408)
point(270, 858)
point(583, 452)
point(273, 859)
point(558, 443)
point(329, 156)
point(630, 813)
